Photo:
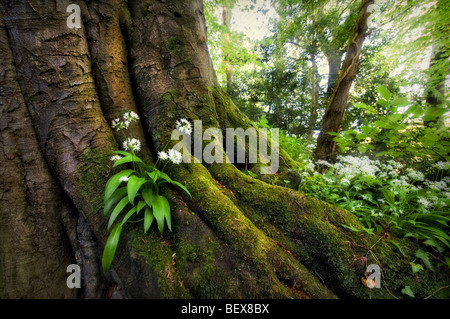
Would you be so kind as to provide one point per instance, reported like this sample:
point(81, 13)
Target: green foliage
point(388, 196)
point(400, 133)
point(140, 198)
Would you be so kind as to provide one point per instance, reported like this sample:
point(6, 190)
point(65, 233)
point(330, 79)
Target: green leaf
point(407, 291)
point(182, 187)
point(433, 113)
point(114, 182)
point(350, 227)
point(147, 194)
point(415, 109)
point(148, 218)
point(115, 197)
point(383, 103)
point(447, 260)
point(140, 205)
point(388, 196)
point(401, 102)
point(381, 154)
point(165, 176)
point(432, 243)
point(161, 211)
point(120, 206)
point(154, 175)
point(384, 92)
point(128, 215)
point(424, 257)
point(110, 247)
point(395, 117)
point(123, 153)
point(133, 186)
point(415, 267)
point(397, 246)
point(127, 159)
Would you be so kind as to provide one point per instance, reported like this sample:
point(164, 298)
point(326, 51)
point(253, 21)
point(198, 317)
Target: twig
point(436, 291)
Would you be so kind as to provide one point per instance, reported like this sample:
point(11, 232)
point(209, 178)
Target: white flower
point(415, 175)
point(310, 166)
point(163, 155)
point(423, 202)
point(400, 182)
point(116, 158)
point(175, 156)
point(184, 126)
point(116, 123)
point(442, 165)
point(132, 144)
point(126, 124)
point(133, 116)
point(345, 182)
point(322, 162)
point(437, 185)
point(123, 179)
point(366, 196)
point(328, 180)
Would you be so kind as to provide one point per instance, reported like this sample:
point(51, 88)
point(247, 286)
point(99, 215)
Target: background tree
point(335, 111)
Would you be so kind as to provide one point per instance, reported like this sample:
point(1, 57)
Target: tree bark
point(334, 114)
point(226, 19)
point(334, 65)
point(237, 237)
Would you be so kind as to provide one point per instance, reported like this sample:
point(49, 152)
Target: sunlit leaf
point(114, 182)
point(111, 246)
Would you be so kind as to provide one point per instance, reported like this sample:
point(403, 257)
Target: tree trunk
point(237, 237)
point(314, 96)
point(335, 111)
point(435, 92)
point(226, 19)
point(334, 64)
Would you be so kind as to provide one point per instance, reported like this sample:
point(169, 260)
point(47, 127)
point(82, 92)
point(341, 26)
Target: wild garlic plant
point(387, 195)
point(135, 190)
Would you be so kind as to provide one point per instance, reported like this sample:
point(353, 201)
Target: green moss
point(95, 170)
point(158, 253)
point(144, 12)
point(312, 230)
point(230, 224)
point(174, 45)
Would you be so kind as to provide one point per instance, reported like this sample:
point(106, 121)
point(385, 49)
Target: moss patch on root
point(312, 230)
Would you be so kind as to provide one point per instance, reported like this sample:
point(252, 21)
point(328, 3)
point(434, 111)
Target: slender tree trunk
point(237, 237)
point(314, 96)
point(435, 94)
point(335, 111)
point(334, 64)
point(226, 20)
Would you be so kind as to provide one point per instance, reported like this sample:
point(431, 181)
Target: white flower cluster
point(123, 179)
point(128, 118)
point(131, 144)
point(184, 126)
point(173, 155)
point(442, 165)
point(116, 158)
point(351, 166)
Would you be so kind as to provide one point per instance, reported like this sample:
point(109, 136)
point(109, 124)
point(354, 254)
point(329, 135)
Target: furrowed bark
point(34, 251)
point(55, 76)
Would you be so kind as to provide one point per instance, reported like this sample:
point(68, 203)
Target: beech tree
point(335, 111)
point(237, 237)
